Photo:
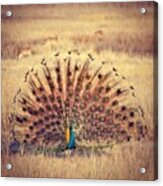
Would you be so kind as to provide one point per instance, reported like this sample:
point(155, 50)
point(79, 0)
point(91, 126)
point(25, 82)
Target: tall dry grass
point(121, 162)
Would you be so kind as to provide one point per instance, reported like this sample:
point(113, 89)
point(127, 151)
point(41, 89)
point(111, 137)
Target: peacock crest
point(74, 103)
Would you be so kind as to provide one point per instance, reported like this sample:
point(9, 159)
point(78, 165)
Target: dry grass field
point(118, 34)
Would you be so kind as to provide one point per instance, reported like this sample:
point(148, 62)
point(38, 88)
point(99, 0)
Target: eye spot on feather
point(33, 92)
point(117, 116)
point(24, 141)
point(41, 89)
point(57, 70)
point(42, 130)
point(130, 124)
point(59, 79)
point(128, 138)
point(86, 97)
point(88, 86)
point(132, 114)
point(35, 123)
point(52, 123)
point(108, 88)
point(93, 108)
point(51, 97)
point(27, 136)
point(88, 76)
point(37, 133)
point(30, 127)
point(96, 98)
point(18, 119)
point(114, 69)
point(105, 99)
point(99, 76)
point(102, 119)
point(24, 109)
point(40, 122)
point(46, 118)
point(101, 108)
point(41, 110)
point(48, 107)
point(131, 87)
point(110, 111)
point(123, 108)
point(30, 111)
point(119, 91)
point(48, 78)
point(47, 126)
point(114, 103)
point(100, 89)
point(58, 122)
point(38, 99)
point(124, 118)
point(76, 68)
point(25, 119)
point(24, 101)
point(44, 98)
point(110, 121)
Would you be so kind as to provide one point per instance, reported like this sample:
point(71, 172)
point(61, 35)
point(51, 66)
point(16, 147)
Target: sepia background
point(118, 33)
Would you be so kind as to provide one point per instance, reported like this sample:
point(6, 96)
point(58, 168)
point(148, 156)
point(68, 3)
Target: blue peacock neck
point(71, 143)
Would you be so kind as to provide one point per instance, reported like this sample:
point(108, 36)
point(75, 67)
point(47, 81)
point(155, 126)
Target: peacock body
point(74, 104)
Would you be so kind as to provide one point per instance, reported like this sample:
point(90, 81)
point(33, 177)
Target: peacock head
point(73, 125)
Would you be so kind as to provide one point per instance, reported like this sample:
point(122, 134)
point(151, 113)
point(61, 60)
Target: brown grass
point(117, 34)
point(126, 158)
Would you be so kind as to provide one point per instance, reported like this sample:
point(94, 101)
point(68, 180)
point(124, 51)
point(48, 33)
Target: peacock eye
point(47, 126)
point(123, 108)
point(114, 103)
point(108, 88)
point(44, 98)
point(46, 118)
point(132, 114)
point(69, 73)
point(48, 78)
point(40, 122)
point(124, 118)
point(33, 92)
point(27, 135)
point(105, 99)
point(41, 89)
point(131, 124)
point(24, 109)
point(38, 99)
point(42, 130)
point(31, 127)
point(60, 89)
point(119, 91)
point(51, 97)
point(57, 69)
point(25, 141)
point(41, 110)
point(35, 123)
point(99, 76)
point(48, 107)
point(59, 78)
point(76, 68)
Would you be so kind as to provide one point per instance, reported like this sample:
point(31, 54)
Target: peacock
point(74, 104)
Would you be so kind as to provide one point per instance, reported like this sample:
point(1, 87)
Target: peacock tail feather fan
point(74, 103)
